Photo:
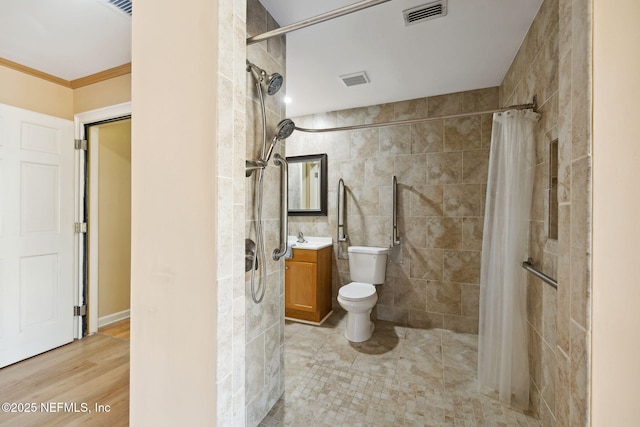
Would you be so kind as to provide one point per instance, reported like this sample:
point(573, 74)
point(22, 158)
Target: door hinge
point(80, 310)
point(80, 144)
point(80, 227)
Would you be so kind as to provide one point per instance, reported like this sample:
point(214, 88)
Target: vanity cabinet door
point(300, 285)
point(307, 285)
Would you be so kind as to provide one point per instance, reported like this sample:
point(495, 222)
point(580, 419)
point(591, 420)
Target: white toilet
point(367, 267)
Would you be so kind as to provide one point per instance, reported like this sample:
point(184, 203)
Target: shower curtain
point(502, 339)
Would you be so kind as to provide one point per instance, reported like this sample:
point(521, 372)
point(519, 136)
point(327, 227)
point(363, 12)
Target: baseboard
point(310, 322)
point(112, 318)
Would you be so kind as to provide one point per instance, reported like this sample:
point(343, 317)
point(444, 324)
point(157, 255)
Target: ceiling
point(68, 39)
point(471, 47)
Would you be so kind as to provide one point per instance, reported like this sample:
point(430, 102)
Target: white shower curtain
point(502, 340)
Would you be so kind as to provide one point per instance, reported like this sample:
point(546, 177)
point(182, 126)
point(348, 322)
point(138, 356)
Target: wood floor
point(84, 383)
point(117, 330)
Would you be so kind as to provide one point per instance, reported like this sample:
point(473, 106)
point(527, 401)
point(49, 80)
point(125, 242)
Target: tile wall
point(230, 377)
point(264, 322)
point(575, 212)
point(535, 72)
point(441, 168)
point(554, 62)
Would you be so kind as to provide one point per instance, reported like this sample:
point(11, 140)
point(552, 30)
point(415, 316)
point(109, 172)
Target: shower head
point(272, 82)
point(284, 130)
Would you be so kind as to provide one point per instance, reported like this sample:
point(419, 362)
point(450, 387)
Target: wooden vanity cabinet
point(307, 284)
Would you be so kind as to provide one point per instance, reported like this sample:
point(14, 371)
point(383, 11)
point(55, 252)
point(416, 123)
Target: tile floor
point(400, 377)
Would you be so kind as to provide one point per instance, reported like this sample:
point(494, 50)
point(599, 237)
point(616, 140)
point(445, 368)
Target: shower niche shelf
point(307, 285)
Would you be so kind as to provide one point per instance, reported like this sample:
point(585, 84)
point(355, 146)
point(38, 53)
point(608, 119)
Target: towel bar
point(527, 265)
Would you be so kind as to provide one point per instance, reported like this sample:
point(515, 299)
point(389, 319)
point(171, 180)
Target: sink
point(311, 242)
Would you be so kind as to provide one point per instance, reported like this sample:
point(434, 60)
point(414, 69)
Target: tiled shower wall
point(534, 71)
point(554, 62)
point(264, 329)
point(441, 168)
point(230, 376)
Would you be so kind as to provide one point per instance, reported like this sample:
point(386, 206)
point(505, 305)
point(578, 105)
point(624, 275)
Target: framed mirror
point(308, 185)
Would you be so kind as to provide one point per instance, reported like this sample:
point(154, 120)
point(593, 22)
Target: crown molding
point(33, 72)
point(111, 73)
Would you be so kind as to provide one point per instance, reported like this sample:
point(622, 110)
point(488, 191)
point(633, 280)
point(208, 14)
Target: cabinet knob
point(286, 268)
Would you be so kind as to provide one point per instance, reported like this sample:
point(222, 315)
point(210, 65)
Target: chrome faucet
point(300, 237)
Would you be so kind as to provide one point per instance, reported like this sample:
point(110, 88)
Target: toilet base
point(359, 327)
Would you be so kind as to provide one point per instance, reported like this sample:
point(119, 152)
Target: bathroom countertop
point(311, 242)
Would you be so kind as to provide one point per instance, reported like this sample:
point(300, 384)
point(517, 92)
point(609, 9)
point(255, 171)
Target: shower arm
point(260, 73)
point(284, 205)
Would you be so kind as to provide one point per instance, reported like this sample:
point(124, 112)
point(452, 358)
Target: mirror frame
point(323, 185)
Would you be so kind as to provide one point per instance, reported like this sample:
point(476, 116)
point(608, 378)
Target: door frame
point(80, 122)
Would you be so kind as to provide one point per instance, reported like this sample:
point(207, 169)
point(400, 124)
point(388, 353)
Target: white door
point(36, 233)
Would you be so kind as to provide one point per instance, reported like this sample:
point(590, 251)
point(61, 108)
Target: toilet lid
point(356, 291)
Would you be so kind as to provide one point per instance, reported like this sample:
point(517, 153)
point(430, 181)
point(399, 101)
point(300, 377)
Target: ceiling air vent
point(354, 79)
point(425, 12)
point(123, 5)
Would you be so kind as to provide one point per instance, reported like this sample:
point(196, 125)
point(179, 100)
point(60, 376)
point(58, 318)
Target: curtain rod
point(355, 7)
point(532, 106)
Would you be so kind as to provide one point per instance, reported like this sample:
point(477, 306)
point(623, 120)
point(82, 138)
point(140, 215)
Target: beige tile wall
point(535, 72)
point(574, 331)
point(231, 213)
point(554, 62)
point(264, 322)
point(441, 168)
point(438, 166)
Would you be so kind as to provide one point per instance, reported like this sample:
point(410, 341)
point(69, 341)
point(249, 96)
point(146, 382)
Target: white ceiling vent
point(425, 12)
point(354, 79)
point(123, 5)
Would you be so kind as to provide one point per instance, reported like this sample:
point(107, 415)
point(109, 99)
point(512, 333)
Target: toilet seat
point(357, 291)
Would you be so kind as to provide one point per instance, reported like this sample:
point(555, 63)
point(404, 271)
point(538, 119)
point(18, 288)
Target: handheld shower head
point(272, 82)
point(284, 130)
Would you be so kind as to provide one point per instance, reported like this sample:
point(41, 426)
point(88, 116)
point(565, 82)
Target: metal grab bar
point(395, 244)
point(284, 205)
point(527, 265)
point(342, 237)
point(395, 240)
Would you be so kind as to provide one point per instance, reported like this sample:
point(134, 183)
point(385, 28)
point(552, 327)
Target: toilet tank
point(367, 264)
